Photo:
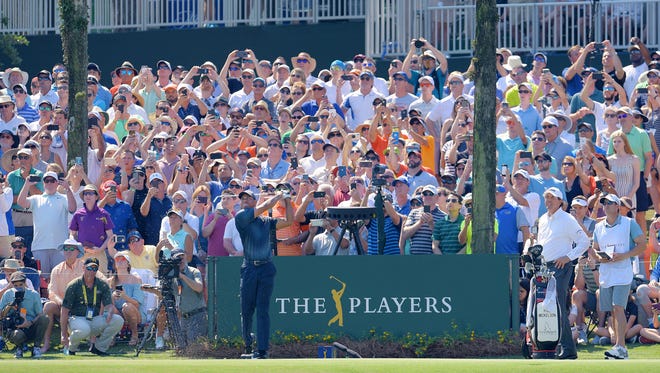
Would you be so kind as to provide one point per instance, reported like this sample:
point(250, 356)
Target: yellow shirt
point(147, 260)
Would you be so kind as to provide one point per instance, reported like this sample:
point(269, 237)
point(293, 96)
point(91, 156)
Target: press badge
point(90, 313)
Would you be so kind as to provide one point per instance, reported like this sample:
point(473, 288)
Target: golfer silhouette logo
point(336, 296)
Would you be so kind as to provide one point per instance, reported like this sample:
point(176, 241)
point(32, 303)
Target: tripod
point(169, 305)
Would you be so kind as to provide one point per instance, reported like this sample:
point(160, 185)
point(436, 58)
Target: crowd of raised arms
point(171, 148)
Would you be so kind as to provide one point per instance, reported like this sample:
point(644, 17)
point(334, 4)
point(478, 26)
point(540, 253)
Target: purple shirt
point(94, 223)
point(216, 245)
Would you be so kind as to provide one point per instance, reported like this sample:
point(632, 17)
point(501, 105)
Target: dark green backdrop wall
point(325, 42)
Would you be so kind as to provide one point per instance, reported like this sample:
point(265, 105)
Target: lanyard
point(85, 295)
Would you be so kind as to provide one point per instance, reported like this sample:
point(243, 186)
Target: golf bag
point(543, 325)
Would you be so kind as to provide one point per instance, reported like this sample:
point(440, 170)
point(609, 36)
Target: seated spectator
point(76, 313)
point(127, 296)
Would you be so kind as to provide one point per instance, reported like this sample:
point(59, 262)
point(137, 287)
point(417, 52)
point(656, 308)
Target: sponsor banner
point(354, 294)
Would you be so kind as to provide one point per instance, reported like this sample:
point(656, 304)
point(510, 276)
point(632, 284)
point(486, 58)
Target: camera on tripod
point(168, 269)
point(377, 171)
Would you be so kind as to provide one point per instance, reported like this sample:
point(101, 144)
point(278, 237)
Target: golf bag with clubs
point(543, 325)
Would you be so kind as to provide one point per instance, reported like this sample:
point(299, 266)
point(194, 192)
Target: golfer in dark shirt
point(258, 271)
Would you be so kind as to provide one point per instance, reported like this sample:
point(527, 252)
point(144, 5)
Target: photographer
point(22, 317)
point(194, 317)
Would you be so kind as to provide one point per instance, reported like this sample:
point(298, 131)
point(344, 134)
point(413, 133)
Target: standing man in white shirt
point(563, 241)
point(615, 236)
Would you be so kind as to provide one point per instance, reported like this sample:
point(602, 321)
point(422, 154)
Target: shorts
point(616, 295)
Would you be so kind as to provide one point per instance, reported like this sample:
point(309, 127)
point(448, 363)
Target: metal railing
point(533, 26)
point(33, 17)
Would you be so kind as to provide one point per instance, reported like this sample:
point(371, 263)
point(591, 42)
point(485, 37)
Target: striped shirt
point(421, 241)
point(446, 231)
point(392, 233)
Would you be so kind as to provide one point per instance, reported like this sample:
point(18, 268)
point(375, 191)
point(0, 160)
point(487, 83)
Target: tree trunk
point(483, 200)
point(74, 47)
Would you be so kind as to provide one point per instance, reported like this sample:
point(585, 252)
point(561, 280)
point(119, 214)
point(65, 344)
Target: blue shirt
point(530, 119)
point(28, 113)
point(103, 98)
point(539, 185)
point(276, 172)
point(31, 302)
point(157, 211)
point(392, 233)
point(255, 234)
point(509, 220)
point(310, 108)
point(123, 220)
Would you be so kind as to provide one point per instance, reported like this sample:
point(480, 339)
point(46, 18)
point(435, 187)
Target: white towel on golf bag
point(550, 301)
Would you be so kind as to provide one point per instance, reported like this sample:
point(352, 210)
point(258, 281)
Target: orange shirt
point(279, 211)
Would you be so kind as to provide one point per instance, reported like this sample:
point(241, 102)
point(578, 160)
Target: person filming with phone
point(617, 239)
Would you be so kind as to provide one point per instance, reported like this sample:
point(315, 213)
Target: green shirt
point(190, 299)
point(640, 143)
point(74, 298)
point(16, 183)
point(446, 231)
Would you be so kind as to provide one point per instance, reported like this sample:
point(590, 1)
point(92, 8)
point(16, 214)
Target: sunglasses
point(524, 92)
point(452, 200)
point(126, 72)
point(24, 157)
point(254, 166)
point(297, 93)
point(18, 90)
point(285, 91)
point(334, 134)
point(235, 116)
point(428, 194)
point(298, 117)
point(258, 85)
point(538, 139)
point(179, 200)
point(317, 89)
point(567, 164)
point(45, 108)
point(317, 141)
point(5, 106)
point(133, 124)
point(49, 180)
point(234, 68)
point(610, 115)
point(302, 60)
point(6, 137)
point(608, 203)
point(69, 248)
point(455, 82)
point(259, 108)
point(365, 78)
point(87, 193)
point(273, 145)
point(235, 186)
point(622, 116)
point(547, 126)
point(247, 77)
point(262, 155)
point(92, 268)
point(164, 108)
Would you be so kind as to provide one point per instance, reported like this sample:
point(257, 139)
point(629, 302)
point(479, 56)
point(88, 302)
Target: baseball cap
point(156, 176)
point(246, 193)
point(579, 201)
point(134, 234)
point(610, 197)
point(430, 188)
point(17, 276)
point(555, 192)
point(401, 179)
point(523, 173)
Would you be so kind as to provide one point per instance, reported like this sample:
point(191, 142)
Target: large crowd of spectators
point(171, 148)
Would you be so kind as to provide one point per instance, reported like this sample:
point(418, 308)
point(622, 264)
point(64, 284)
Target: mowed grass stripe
point(84, 364)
